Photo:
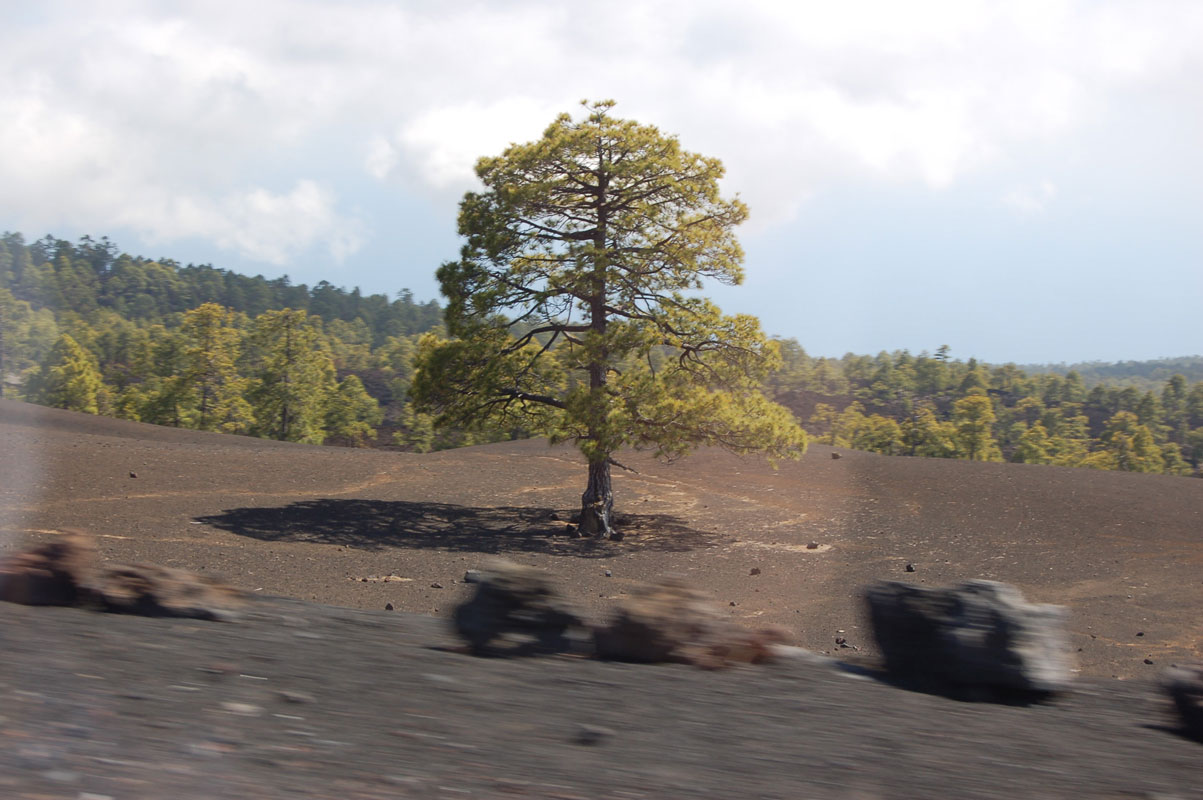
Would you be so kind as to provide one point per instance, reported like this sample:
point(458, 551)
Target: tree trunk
point(597, 503)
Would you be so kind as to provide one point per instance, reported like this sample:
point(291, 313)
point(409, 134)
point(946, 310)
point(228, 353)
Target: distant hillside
point(1140, 374)
point(93, 275)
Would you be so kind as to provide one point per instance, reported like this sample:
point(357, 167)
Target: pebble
point(472, 576)
point(436, 585)
point(754, 571)
point(388, 606)
point(291, 696)
point(910, 567)
point(592, 734)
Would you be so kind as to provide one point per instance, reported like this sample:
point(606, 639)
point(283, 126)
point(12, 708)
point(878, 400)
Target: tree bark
point(597, 503)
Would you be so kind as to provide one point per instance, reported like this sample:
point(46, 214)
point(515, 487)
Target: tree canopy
point(573, 306)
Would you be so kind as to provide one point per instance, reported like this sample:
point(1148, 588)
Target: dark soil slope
point(1123, 551)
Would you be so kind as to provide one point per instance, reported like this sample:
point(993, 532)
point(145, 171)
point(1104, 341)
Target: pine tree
point(1034, 446)
point(208, 379)
point(69, 378)
point(925, 435)
point(294, 377)
point(879, 434)
point(417, 431)
point(582, 257)
point(351, 413)
point(1130, 444)
point(973, 416)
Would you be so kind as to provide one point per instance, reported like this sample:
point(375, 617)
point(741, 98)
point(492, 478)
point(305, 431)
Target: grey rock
point(980, 635)
point(1184, 685)
point(512, 599)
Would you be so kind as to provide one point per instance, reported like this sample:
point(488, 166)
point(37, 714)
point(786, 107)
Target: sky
point(1022, 181)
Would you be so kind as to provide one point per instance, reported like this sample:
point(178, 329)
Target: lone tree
point(572, 308)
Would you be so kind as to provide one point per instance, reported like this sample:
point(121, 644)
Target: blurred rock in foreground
point(978, 638)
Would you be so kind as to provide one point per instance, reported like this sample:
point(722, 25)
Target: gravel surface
point(302, 700)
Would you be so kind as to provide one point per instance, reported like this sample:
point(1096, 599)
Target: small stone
point(835, 456)
point(388, 606)
point(290, 696)
point(609, 574)
point(592, 734)
point(61, 776)
point(1140, 633)
point(472, 576)
point(1148, 661)
point(754, 571)
point(812, 546)
point(133, 474)
point(436, 585)
point(910, 567)
point(733, 602)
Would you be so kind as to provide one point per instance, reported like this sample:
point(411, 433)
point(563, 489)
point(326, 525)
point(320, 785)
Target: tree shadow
point(381, 524)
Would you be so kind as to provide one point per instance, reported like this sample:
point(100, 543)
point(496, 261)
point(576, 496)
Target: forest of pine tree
point(87, 328)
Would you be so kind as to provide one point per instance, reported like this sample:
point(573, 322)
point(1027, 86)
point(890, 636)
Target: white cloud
point(444, 143)
point(257, 223)
point(382, 158)
point(172, 118)
point(1031, 199)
